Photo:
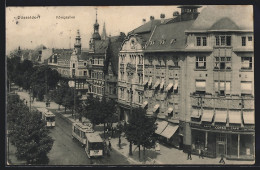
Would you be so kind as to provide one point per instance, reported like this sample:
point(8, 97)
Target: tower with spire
point(96, 35)
point(104, 34)
point(77, 44)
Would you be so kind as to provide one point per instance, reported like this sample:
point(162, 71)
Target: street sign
point(71, 83)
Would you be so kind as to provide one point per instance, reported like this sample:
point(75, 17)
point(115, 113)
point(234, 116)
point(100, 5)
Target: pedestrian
point(201, 153)
point(189, 154)
point(112, 132)
point(109, 145)
point(222, 159)
point(119, 142)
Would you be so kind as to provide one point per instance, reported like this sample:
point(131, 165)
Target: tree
point(28, 133)
point(140, 129)
point(58, 94)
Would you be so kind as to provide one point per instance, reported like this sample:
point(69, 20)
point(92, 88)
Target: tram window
point(96, 145)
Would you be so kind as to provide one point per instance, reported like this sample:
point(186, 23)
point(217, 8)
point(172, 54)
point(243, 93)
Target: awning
point(156, 84)
point(200, 85)
point(156, 107)
point(169, 110)
point(150, 82)
point(249, 117)
point(144, 104)
point(207, 115)
point(221, 116)
point(162, 85)
point(169, 86)
point(235, 117)
point(160, 126)
point(145, 82)
point(196, 113)
point(169, 131)
point(175, 86)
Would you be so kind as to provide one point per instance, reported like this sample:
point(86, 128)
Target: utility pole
point(74, 110)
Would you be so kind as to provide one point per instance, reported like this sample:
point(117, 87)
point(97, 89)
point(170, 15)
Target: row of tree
point(27, 132)
point(39, 79)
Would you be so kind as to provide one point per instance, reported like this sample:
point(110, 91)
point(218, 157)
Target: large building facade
point(194, 72)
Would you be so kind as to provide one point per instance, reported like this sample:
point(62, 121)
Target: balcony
point(122, 67)
point(140, 67)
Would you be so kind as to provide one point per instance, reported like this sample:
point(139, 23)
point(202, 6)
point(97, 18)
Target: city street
point(66, 151)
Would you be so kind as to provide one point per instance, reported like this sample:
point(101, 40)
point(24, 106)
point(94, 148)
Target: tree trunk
point(105, 130)
point(139, 151)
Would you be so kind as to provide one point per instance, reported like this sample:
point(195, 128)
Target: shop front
point(231, 142)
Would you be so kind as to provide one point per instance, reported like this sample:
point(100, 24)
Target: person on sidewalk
point(119, 142)
point(222, 159)
point(201, 153)
point(189, 154)
point(109, 145)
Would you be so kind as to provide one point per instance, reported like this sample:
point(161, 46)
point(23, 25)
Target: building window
point(222, 87)
point(201, 62)
point(73, 65)
point(200, 86)
point(223, 40)
point(204, 41)
point(140, 97)
point(222, 63)
point(122, 93)
point(243, 41)
point(85, 64)
point(250, 38)
point(122, 76)
point(140, 59)
point(100, 62)
point(85, 73)
point(246, 63)
point(201, 41)
point(140, 79)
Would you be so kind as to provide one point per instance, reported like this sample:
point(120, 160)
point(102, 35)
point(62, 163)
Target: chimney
point(144, 20)
point(151, 18)
point(162, 16)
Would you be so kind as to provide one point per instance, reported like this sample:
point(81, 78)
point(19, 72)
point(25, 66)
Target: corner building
point(194, 72)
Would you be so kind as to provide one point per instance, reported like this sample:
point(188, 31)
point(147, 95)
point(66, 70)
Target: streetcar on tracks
point(79, 130)
point(94, 145)
point(47, 116)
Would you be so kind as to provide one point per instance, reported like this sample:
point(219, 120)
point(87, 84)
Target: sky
point(46, 29)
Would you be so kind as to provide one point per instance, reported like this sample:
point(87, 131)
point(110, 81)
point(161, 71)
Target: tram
point(79, 131)
point(94, 145)
point(47, 116)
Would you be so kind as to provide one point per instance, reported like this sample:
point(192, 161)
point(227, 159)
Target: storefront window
point(232, 141)
point(246, 149)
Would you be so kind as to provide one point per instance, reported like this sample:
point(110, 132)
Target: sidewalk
point(166, 155)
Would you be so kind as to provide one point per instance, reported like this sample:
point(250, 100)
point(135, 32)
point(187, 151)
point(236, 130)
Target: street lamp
point(131, 109)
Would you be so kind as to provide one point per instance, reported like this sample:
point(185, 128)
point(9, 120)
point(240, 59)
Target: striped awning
point(160, 126)
point(175, 86)
point(169, 131)
point(156, 84)
point(145, 82)
point(235, 117)
point(221, 116)
point(144, 104)
point(207, 115)
point(249, 117)
point(156, 107)
point(170, 110)
point(162, 85)
point(169, 86)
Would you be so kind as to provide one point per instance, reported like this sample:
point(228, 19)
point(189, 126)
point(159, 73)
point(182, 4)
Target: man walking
point(201, 153)
point(222, 159)
point(189, 154)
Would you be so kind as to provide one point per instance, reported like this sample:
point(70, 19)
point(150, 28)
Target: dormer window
point(201, 41)
point(223, 40)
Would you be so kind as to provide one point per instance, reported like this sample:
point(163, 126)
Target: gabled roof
point(169, 36)
point(220, 17)
point(84, 56)
point(147, 27)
